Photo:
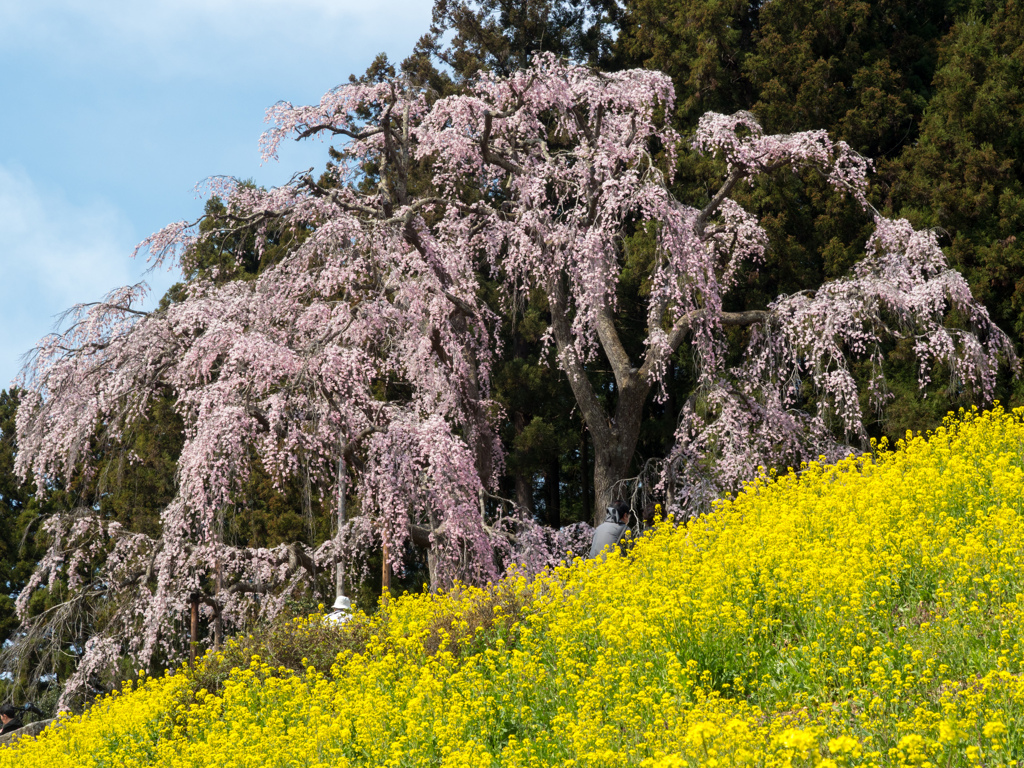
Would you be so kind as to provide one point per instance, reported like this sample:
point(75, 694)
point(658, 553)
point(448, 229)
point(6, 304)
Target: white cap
point(342, 603)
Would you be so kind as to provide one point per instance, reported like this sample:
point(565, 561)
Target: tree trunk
point(611, 464)
point(553, 487)
point(585, 472)
point(218, 630)
point(524, 492)
point(432, 572)
point(524, 484)
point(615, 441)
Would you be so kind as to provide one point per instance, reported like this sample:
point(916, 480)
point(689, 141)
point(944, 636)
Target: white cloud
point(55, 253)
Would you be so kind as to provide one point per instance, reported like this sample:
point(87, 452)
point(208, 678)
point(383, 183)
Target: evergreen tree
point(965, 174)
point(19, 514)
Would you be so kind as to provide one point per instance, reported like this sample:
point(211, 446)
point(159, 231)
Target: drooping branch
point(593, 412)
point(715, 203)
point(313, 130)
point(489, 155)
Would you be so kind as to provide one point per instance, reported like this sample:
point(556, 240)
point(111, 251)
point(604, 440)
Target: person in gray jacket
point(610, 532)
point(9, 718)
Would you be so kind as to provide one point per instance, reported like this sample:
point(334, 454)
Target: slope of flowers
point(868, 613)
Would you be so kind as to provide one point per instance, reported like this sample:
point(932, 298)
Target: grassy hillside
point(868, 613)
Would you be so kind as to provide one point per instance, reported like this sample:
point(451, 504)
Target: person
point(652, 517)
point(610, 532)
point(341, 611)
point(9, 718)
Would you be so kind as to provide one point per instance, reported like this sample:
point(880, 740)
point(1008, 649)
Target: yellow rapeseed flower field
point(859, 614)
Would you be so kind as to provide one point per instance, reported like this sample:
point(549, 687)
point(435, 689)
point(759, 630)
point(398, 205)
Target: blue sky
point(114, 110)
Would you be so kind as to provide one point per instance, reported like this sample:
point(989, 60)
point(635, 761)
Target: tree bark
point(218, 630)
point(553, 487)
point(615, 446)
point(585, 472)
point(524, 492)
point(524, 484)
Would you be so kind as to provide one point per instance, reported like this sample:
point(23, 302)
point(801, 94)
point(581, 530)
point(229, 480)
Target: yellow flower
point(843, 745)
point(825, 607)
point(802, 741)
point(993, 729)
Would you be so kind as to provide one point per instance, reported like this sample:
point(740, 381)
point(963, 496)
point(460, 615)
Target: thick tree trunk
point(610, 466)
point(615, 445)
point(524, 492)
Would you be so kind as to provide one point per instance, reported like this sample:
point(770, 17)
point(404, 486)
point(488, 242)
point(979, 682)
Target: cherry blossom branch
point(489, 156)
point(709, 210)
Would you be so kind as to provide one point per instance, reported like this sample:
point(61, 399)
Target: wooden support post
point(385, 589)
point(339, 569)
point(194, 634)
